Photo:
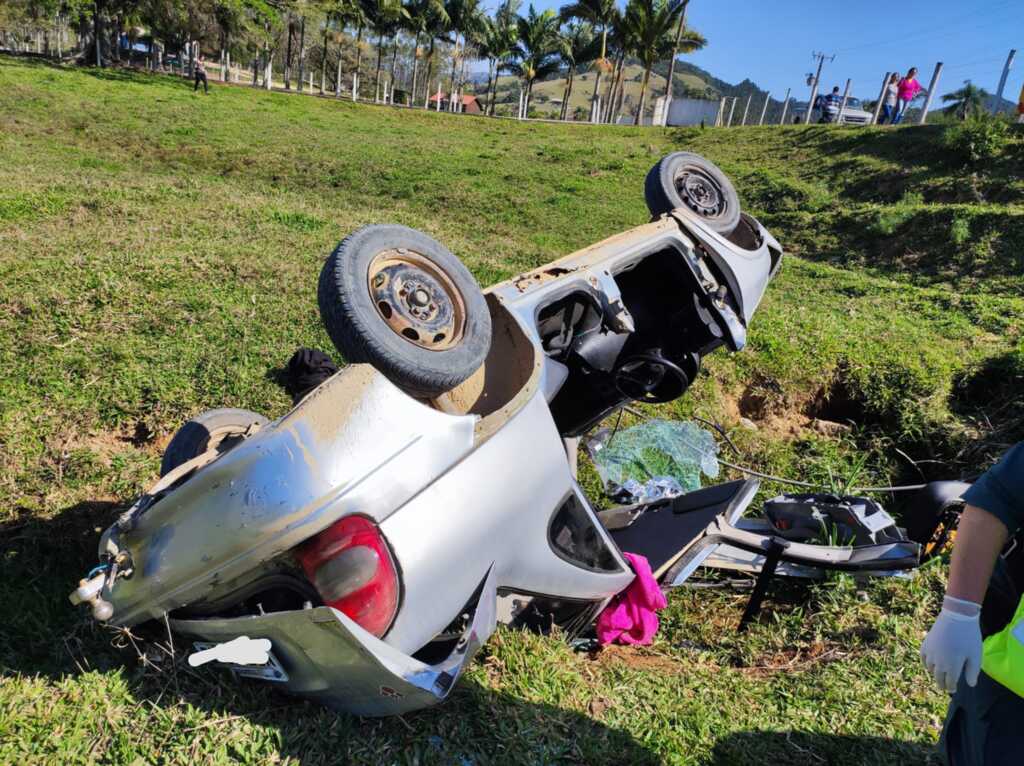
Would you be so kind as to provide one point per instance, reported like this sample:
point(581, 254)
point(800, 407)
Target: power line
point(941, 27)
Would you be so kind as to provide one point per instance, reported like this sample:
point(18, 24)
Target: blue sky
point(771, 42)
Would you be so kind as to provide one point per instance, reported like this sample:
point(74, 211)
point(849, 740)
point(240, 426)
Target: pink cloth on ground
point(630, 616)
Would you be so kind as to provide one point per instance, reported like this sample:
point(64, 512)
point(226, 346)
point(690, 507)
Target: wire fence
point(753, 108)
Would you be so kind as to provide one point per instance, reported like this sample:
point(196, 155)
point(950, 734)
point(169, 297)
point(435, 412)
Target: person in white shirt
point(889, 99)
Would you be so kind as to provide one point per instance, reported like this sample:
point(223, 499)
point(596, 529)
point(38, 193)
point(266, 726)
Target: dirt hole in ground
point(838, 402)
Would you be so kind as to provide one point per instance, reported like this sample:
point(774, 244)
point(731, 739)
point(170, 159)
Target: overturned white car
point(376, 533)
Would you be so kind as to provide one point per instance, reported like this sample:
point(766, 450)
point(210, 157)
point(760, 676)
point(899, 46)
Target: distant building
point(469, 103)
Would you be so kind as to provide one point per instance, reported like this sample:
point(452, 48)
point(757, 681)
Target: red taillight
point(352, 569)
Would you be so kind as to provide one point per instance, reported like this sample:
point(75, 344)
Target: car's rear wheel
point(397, 299)
point(214, 429)
point(687, 180)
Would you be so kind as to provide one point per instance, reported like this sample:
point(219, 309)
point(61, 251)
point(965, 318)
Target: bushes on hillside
point(977, 141)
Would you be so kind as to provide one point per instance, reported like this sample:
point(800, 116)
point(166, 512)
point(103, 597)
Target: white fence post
point(1002, 81)
point(731, 110)
point(785, 106)
point(842, 106)
point(881, 99)
point(931, 93)
point(764, 109)
point(746, 109)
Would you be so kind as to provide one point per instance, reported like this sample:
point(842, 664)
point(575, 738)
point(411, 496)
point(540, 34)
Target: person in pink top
point(906, 90)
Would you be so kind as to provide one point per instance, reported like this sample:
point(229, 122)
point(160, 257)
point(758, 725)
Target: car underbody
point(376, 537)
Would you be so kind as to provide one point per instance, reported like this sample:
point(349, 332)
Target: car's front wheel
point(687, 180)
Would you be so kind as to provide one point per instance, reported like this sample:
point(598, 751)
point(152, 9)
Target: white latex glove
point(953, 645)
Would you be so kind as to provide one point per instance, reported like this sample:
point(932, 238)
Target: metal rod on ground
point(731, 110)
point(764, 109)
point(746, 109)
point(842, 106)
point(785, 106)
point(881, 99)
point(998, 100)
point(931, 93)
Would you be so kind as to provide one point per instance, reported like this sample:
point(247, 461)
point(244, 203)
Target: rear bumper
point(327, 657)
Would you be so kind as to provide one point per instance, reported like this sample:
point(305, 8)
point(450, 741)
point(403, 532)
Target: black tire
point(223, 429)
point(687, 180)
point(361, 333)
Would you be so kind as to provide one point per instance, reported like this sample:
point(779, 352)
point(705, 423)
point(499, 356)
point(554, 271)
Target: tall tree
point(384, 17)
point(602, 14)
point(578, 46)
point(675, 48)
point(968, 101)
point(422, 16)
point(496, 44)
point(535, 56)
point(465, 18)
point(648, 25)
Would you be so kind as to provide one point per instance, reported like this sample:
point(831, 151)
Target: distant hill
point(690, 81)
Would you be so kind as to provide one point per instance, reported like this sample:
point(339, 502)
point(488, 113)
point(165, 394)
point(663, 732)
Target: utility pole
point(814, 84)
point(785, 106)
point(1002, 81)
point(931, 93)
point(842, 106)
point(881, 98)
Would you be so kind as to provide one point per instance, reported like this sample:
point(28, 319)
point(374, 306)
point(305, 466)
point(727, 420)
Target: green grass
point(158, 256)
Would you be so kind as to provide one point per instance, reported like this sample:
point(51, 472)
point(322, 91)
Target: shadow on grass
point(795, 748)
point(45, 636)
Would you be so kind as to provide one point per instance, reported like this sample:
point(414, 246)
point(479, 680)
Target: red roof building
point(469, 103)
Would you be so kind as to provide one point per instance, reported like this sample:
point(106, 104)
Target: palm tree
point(465, 19)
point(384, 17)
point(602, 14)
point(578, 46)
point(496, 44)
point(969, 101)
point(423, 15)
point(675, 48)
point(618, 49)
point(437, 27)
point(648, 25)
point(337, 14)
point(535, 56)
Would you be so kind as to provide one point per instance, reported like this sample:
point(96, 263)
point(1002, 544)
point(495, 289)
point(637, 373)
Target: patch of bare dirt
point(107, 444)
point(635, 658)
point(830, 411)
point(789, 660)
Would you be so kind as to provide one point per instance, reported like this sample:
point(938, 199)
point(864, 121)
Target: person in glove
point(985, 724)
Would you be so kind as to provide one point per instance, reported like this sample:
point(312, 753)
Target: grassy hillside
point(159, 253)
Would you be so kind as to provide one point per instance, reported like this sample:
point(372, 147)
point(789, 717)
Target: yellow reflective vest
point(1002, 656)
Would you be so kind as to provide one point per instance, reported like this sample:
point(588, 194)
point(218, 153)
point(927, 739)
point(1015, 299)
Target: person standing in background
point(889, 99)
point(906, 91)
point(830, 106)
point(200, 72)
